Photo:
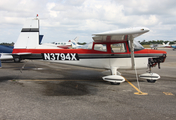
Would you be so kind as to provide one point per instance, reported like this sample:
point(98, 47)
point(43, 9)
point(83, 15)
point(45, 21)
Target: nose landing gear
point(152, 62)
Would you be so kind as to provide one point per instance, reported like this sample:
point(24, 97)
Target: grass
point(146, 46)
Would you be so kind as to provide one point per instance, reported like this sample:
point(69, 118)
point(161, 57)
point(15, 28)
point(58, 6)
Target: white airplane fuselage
point(111, 50)
point(95, 58)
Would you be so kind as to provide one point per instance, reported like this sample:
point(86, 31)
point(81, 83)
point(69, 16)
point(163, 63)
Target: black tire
point(151, 81)
point(114, 83)
point(17, 60)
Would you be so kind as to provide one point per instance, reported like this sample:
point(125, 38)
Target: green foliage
point(144, 42)
point(7, 44)
point(81, 43)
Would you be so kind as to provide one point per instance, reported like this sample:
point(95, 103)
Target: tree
point(7, 44)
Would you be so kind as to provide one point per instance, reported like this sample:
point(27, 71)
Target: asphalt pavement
point(37, 90)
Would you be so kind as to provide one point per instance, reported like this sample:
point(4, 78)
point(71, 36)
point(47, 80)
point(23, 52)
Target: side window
point(100, 47)
point(118, 48)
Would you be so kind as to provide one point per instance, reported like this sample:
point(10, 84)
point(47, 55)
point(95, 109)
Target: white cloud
point(67, 18)
point(50, 6)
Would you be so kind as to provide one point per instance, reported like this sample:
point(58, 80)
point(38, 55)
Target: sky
point(63, 20)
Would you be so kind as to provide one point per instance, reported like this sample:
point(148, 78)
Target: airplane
point(6, 52)
point(173, 46)
point(155, 46)
point(65, 45)
point(75, 45)
point(112, 50)
point(166, 45)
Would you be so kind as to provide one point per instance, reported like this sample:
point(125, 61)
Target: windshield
point(137, 45)
point(87, 46)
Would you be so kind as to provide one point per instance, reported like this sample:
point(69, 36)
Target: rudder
point(29, 36)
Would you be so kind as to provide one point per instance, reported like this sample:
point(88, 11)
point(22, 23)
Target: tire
point(17, 59)
point(151, 81)
point(114, 83)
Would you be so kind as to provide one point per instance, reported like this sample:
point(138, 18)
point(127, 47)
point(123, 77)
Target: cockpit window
point(100, 47)
point(118, 48)
point(137, 45)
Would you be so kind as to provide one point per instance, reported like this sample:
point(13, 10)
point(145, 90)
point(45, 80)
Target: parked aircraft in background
point(6, 49)
point(6, 52)
point(71, 44)
point(166, 45)
point(173, 46)
point(113, 50)
point(64, 45)
point(75, 44)
point(155, 46)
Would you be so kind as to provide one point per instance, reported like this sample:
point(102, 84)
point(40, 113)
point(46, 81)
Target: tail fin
point(74, 42)
point(76, 39)
point(167, 43)
point(29, 36)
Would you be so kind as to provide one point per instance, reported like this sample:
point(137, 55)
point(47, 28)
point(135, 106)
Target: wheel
point(114, 83)
point(151, 81)
point(17, 59)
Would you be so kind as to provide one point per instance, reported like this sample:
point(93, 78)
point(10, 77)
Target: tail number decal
point(60, 56)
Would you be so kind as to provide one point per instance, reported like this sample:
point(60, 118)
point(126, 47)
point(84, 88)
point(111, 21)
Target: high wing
point(120, 34)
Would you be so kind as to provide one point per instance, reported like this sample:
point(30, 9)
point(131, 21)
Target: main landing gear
point(114, 79)
point(151, 81)
point(114, 83)
point(17, 60)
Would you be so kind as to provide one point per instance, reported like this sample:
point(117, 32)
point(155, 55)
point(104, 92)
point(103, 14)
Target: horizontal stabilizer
point(22, 54)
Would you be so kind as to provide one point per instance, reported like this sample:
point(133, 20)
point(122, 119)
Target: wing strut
point(133, 65)
point(132, 51)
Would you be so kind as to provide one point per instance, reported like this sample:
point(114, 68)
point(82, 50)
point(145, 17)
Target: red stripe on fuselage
point(82, 51)
point(150, 51)
point(37, 51)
